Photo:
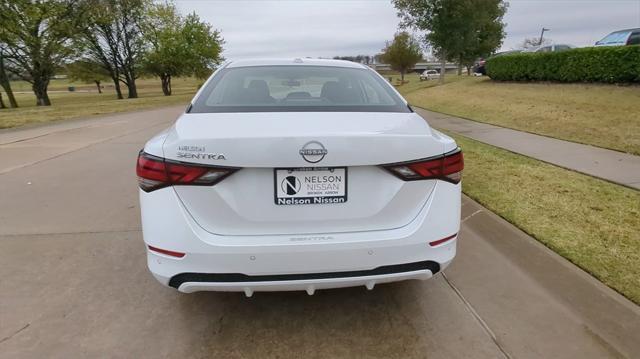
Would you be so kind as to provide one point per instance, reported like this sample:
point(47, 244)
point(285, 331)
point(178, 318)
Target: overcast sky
point(349, 27)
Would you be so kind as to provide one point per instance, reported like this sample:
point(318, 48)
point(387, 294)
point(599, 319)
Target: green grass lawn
point(413, 83)
point(86, 101)
point(601, 115)
point(593, 223)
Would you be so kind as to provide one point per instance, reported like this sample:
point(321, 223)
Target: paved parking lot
point(74, 281)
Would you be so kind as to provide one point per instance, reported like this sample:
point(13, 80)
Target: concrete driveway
point(74, 281)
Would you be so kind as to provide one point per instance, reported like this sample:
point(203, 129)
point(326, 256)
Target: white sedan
point(298, 174)
point(429, 75)
point(551, 48)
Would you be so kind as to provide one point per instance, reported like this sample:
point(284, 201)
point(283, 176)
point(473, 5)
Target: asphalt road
point(74, 283)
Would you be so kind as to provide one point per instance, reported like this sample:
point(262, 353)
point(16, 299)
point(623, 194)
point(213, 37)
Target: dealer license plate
point(310, 185)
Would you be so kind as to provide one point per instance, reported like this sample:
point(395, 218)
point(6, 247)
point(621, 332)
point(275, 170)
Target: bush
point(618, 64)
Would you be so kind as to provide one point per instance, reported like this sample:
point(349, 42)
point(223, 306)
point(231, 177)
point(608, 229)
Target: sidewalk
point(610, 165)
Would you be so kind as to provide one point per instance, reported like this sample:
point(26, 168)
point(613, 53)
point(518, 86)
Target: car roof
point(536, 48)
point(626, 30)
point(293, 62)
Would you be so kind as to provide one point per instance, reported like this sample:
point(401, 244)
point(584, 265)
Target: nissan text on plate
point(298, 174)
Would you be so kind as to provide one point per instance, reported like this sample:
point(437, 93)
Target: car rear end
point(323, 178)
point(479, 67)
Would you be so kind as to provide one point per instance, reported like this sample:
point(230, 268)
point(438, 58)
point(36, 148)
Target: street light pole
point(542, 35)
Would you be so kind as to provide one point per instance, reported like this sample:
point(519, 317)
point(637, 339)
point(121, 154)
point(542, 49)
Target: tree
point(205, 46)
point(88, 71)
point(164, 33)
point(180, 47)
point(455, 29)
point(402, 54)
point(37, 38)
point(361, 59)
point(442, 20)
point(112, 36)
point(533, 42)
point(487, 31)
point(4, 82)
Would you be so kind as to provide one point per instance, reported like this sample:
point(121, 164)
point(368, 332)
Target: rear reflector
point(447, 167)
point(156, 172)
point(440, 241)
point(167, 252)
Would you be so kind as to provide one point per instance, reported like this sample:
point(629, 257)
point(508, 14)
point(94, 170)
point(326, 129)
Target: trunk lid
point(243, 203)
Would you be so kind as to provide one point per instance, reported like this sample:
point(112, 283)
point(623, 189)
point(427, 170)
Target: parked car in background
point(429, 75)
point(510, 52)
point(621, 38)
point(478, 67)
point(551, 48)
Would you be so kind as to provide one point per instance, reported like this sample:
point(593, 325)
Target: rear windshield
point(297, 89)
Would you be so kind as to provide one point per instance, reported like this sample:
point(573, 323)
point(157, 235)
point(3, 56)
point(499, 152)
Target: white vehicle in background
point(551, 48)
point(621, 38)
point(298, 175)
point(429, 75)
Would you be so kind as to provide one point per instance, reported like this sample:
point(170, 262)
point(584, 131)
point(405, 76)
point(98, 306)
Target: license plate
point(310, 185)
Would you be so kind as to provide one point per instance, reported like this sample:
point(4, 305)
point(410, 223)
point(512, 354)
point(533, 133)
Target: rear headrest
point(258, 92)
point(339, 93)
point(259, 86)
point(329, 89)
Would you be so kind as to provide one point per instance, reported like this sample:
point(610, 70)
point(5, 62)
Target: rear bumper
point(191, 284)
point(303, 262)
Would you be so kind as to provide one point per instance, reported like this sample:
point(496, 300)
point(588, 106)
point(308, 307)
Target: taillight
point(443, 240)
point(166, 252)
point(156, 172)
point(447, 167)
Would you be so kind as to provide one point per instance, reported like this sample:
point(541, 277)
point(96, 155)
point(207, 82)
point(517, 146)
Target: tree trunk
point(12, 99)
point(460, 66)
point(2, 102)
point(98, 85)
point(130, 81)
point(7, 88)
point(116, 85)
point(40, 90)
point(166, 84)
point(6, 85)
point(133, 91)
point(402, 78)
point(443, 67)
point(131, 88)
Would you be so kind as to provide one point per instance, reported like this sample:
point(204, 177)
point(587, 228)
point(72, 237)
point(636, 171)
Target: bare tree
point(533, 42)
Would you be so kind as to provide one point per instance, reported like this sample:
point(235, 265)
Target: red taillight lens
point(166, 252)
point(443, 240)
point(156, 172)
point(447, 167)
